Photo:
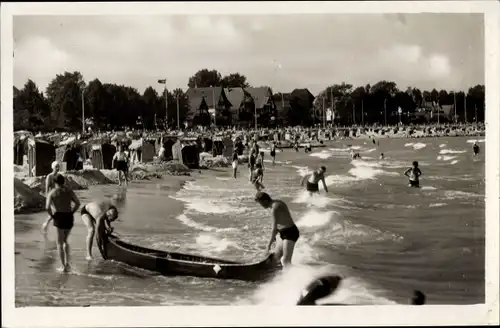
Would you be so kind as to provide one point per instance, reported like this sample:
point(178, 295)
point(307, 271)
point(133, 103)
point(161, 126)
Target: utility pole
point(178, 119)
point(455, 106)
point(324, 113)
point(353, 113)
point(164, 82)
point(385, 111)
point(465, 108)
point(215, 107)
point(255, 111)
point(83, 113)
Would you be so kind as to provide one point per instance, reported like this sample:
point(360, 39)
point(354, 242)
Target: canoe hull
point(176, 264)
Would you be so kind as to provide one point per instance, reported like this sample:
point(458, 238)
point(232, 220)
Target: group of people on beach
point(62, 204)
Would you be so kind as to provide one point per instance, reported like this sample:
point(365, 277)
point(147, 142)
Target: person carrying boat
point(413, 174)
point(58, 205)
point(257, 177)
point(49, 185)
point(97, 216)
point(120, 161)
point(283, 225)
point(312, 180)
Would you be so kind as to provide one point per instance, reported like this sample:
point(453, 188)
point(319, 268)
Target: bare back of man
point(96, 216)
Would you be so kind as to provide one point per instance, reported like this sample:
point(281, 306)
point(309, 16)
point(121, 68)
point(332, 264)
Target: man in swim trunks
point(282, 224)
point(59, 208)
point(475, 149)
point(252, 160)
point(120, 160)
point(257, 177)
point(273, 151)
point(97, 216)
point(235, 163)
point(49, 185)
point(414, 173)
point(313, 179)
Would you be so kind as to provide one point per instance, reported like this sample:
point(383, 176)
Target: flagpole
point(166, 103)
point(178, 122)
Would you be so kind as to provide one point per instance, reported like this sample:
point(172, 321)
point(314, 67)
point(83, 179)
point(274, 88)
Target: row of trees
point(112, 106)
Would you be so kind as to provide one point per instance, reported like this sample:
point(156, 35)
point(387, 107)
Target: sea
point(385, 239)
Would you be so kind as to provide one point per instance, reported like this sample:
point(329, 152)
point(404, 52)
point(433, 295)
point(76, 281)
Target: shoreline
point(29, 195)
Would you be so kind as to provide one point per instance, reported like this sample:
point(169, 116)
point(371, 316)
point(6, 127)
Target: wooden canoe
point(177, 264)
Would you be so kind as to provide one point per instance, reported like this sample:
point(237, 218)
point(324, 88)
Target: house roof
point(235, 96)
point(196, 95)
point(261, 95)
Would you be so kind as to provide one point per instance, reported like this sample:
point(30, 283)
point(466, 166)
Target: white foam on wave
point(316, 200)
point(475, 140)
point(302, 170)
point(199, 226)
point(370, 150)
point(457, 194)
point(428, 188)
point(223, 179)
point(208, 207)
point(337, 180)
point(368, 171)
point(210, 243)
point(416, 146)
point(313, 220)
point(286, 287)
point(445, 158)
point(325, 154)
point(339, 149)
point(438, 205)
point(451, 151)
point(454, 162)
point(442, 145)
point(355, 147)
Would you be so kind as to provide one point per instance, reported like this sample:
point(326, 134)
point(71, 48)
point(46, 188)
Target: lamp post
point(83, 112)
point(255, 111)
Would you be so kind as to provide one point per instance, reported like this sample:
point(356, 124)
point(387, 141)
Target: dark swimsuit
point(312, 187)
point(84, 211)
point(414, 183)
point(63, 220)
point(121, 166)
point(291, 233)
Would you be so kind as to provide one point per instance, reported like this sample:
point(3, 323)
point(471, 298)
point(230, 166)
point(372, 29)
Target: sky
point(442, 51)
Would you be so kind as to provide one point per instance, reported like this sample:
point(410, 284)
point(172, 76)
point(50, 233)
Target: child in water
point(257, 177)
point(414, 173)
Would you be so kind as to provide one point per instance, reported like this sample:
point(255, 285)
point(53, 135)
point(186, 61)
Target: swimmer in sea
point(49, 185)
point(257, 177)
point(475, 149)
point(414, 173)
point(282, 224)
point(381, 155)
point(308, 148)
point(97, 216)
point(59, 201)
point(312, 181)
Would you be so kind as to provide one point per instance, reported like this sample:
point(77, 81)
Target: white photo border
point(256, 315)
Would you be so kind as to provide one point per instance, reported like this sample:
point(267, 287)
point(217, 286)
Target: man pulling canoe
point(282, 224)
point(97, 216)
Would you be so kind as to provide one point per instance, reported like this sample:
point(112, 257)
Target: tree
point(205, 78)
point(94, 96)
point(234, 80)
point(151, 108)
point(183, 106)
point(31, 110)
point(64, 94)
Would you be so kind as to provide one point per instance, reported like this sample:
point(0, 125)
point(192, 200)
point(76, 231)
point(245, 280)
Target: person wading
point(282, 224)
point(312, 180)
point(49, 185)
point(120, 160)
point(97, 215)
point(59, 206)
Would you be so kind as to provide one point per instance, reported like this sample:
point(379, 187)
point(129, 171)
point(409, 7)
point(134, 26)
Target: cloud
point(422, 50)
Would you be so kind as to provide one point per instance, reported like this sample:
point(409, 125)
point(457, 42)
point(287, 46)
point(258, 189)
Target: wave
point(454, 162)
point(428, 188)
point(202, 227)
point(456, 194)
point(451, 151)
point(445, 158)
point(212, 244)
point(437, 204)
point(475, 140)
point(313, 220)
point(367, 171)
point(325, 154)
point(415, 146)
point(442, 145)
point(315, 200)
point(205, 206)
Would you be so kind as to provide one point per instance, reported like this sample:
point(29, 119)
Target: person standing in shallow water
point(235, 163)
point(97, 216)
point(312, 181)
point(120, 160)
point(59, 206)
point(49, 185)
point(283, 225)
point(273, 151)
point(413, 174)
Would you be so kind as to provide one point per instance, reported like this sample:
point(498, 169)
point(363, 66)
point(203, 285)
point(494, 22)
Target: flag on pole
point(164, 81)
